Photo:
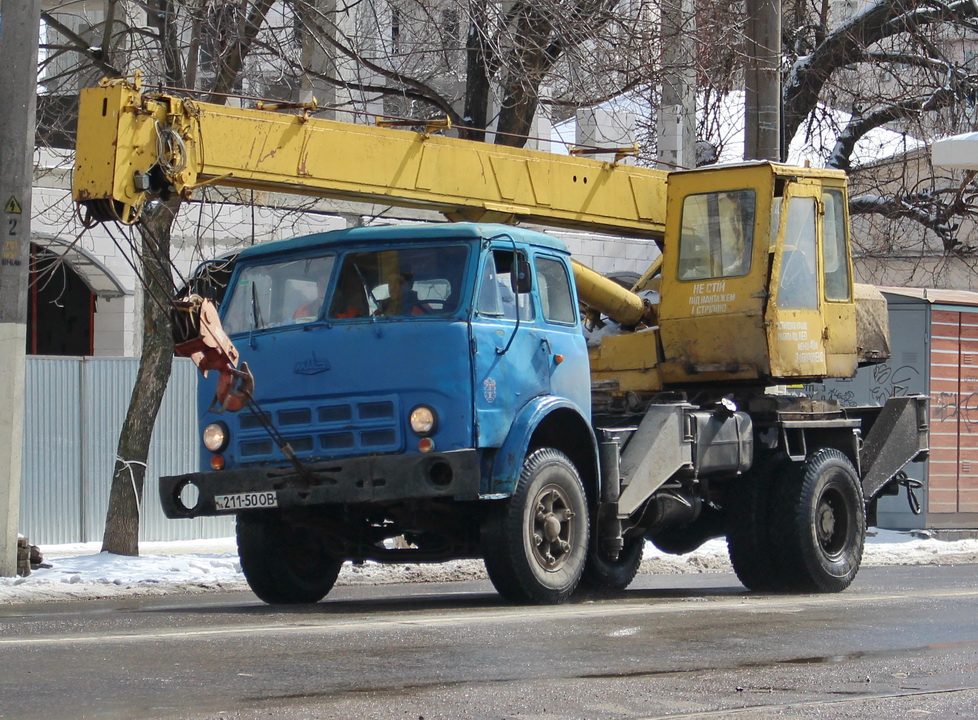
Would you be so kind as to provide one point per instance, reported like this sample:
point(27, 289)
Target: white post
point(19, 26)
point(676, 116)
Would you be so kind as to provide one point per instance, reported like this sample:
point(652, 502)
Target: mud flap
point(898, 434)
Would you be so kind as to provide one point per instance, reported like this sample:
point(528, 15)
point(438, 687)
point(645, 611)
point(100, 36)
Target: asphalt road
point(900, 643)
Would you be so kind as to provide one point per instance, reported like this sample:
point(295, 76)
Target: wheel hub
point(832, 522)
point(552, 528)
point(826, 521)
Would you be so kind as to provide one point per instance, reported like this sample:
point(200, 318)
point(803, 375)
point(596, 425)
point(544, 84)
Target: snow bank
point(81, 572)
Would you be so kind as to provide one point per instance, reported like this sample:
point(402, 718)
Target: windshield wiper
point(256, 317)
point(365, 285)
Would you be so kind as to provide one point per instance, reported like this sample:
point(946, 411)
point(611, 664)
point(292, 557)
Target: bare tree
point(485, 65)
point(156, 38)
point(898, 56)
point(891, 68)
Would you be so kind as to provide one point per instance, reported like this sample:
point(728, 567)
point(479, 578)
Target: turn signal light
point(217, 462)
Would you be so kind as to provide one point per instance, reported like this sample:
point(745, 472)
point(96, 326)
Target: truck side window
point(496, 295)
point(798, 279)
point(717, 237)
point(555, 292)
point(834, 258)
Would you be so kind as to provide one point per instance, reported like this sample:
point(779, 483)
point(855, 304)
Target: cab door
point(562, 343)
point(795, 320)
point(511, 362)
point(837, 287)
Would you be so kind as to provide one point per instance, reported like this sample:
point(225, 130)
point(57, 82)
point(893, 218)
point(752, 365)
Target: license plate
point(246, 501)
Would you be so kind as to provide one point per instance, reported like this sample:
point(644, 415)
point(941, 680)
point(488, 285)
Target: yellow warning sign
point(12, 206)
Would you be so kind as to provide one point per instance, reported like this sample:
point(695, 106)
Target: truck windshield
point(277, 294)
point(412, 281)
point(717, 235)
point(400, 282)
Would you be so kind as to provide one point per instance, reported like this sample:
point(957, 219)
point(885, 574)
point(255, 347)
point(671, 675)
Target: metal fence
point(74, 409)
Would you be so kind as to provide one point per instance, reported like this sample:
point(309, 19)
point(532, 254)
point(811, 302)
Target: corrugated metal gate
point(74, 409)
point(953, 481)
point(934, 339)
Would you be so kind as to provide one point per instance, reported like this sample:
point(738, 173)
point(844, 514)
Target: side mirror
point(522, 278)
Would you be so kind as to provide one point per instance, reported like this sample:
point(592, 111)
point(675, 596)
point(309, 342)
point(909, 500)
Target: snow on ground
point(80, 571)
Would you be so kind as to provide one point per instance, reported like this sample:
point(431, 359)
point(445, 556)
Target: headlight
point(215, 436)
point(424, 420)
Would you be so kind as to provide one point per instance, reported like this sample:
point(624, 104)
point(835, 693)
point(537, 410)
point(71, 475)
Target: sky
point(80, 571)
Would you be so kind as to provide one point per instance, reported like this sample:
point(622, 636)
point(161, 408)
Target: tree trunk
point(478, 83)
point(125, 497)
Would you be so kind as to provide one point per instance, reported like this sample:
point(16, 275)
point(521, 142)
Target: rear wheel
point(602, 575)
point(535, 545)
point(749, 539)
point(820, 523)
point(283, 564)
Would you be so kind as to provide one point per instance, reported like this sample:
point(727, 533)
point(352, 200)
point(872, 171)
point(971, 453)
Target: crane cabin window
point(835, 260)
point(717, 236)
point(798, 277)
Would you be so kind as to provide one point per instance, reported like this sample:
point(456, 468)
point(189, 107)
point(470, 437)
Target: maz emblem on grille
point(311, 366)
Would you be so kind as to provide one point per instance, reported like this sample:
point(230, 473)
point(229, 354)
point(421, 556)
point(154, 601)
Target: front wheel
point(535, 545)
point(820, 519)
point(284, 565)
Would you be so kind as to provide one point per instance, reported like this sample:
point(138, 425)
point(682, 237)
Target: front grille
point(335, 413)
point(377, 438)
point(250, 421)
point(257, 447)
point(375, 410)
point(330, 428)
point(337, 441)
point(301, 416)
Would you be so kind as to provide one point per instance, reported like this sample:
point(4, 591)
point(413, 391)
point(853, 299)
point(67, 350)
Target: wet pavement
point(901, 642)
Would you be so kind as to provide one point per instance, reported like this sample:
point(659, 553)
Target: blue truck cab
point(412, 371)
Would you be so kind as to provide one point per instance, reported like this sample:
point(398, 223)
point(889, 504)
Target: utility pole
point(321, 61)
point(762, 131)
point(676, 116)
point(19, 25)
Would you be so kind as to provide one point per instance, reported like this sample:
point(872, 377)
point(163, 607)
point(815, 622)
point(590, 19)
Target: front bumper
point(371, 479)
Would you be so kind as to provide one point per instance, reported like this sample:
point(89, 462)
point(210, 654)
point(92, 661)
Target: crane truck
point(426, 392)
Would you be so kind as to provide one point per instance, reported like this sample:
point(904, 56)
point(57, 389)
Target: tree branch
point(79, 45)
point(858, 126)
point(847, 45)
point(321, 35)
point(232, 61)
point(930, 209)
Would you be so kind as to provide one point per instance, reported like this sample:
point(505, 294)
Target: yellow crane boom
point(133, 142)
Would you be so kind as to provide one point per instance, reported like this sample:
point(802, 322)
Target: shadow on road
point(406, 599)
